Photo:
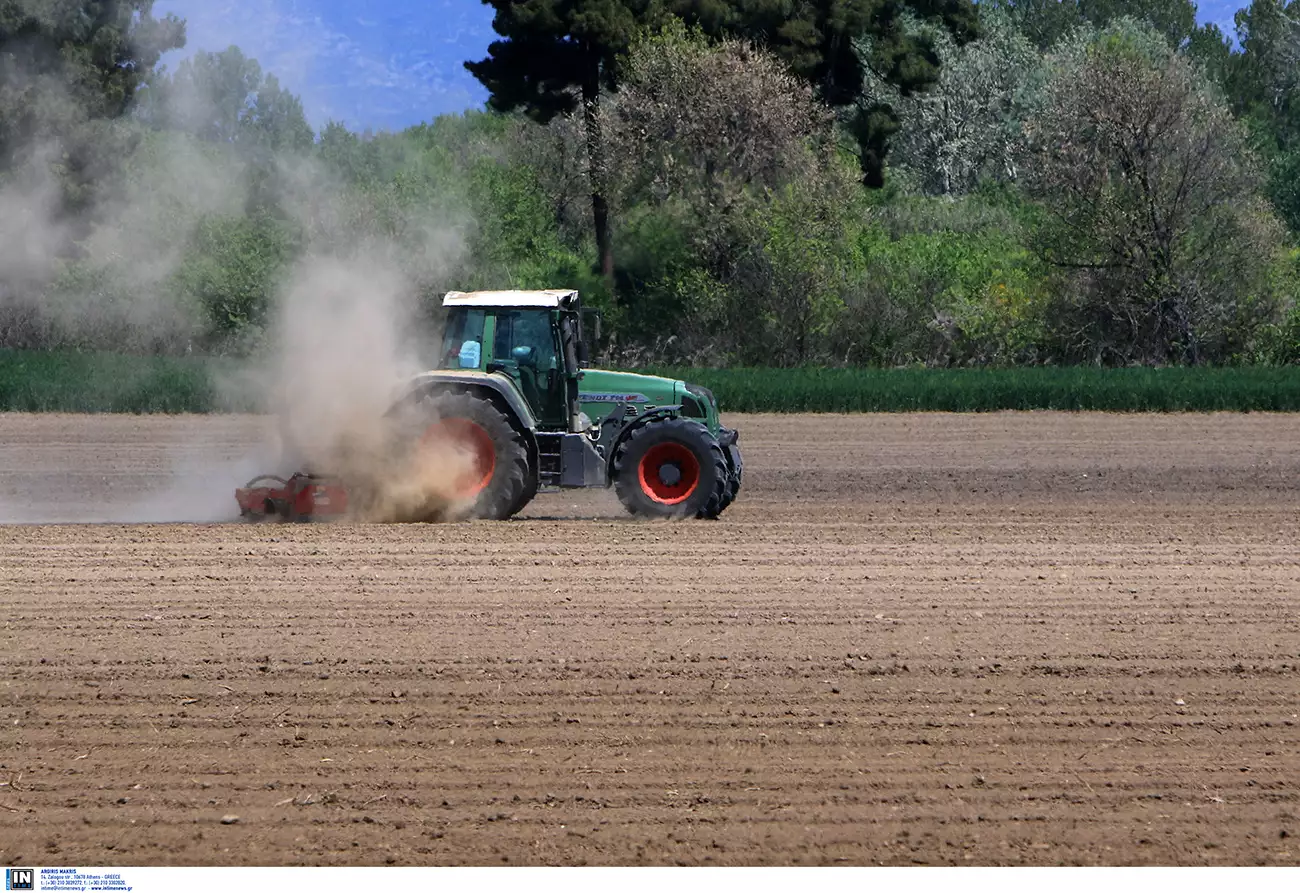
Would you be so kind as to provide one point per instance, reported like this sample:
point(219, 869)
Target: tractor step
point(302, 497)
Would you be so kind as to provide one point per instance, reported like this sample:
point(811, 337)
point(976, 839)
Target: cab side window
point(466, 325)
point(526, 329)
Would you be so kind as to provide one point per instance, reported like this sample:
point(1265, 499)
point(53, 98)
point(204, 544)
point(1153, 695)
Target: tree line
point(734, 182)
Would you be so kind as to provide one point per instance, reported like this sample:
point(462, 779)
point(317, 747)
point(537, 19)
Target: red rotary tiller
point(300, 498)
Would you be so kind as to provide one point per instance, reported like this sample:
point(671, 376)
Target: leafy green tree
point(1213, 51)
point(1175, 20)
point(231, 271)
point(1043, 22)
point(1264, 82)
point(555, 56)
point(1153, 212)
point(207, 96)
point(968, 126)
point(700, 122)
point(820, 41)
point(226, 98)
point(275, 120)
point(1047, 22)
point(785, 294)
point(941, 283)
point(516, 243)
point(1284, 187)
point(557, 155)
point(723, 163)
point(344, 153)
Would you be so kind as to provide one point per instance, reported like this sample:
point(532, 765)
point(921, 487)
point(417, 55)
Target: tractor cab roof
point(552, 297)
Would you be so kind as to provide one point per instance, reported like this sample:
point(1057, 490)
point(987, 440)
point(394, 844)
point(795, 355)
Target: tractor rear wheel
point(530, 491)
point(671, 468)
point(494, 481)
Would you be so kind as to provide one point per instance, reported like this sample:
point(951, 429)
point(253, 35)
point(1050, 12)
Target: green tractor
point(513, 390)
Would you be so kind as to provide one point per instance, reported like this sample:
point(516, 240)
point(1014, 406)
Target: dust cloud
point(340, 340)
point(342, 353)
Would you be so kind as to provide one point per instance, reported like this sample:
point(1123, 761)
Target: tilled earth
point(1008, 638)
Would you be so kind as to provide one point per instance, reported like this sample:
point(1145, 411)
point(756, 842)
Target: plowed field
point(1008, 638)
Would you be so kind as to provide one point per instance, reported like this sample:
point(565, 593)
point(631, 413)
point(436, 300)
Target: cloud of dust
point(89, 266)
point(198, 489)
point(343, 349)
point(340, 343)
point(28, 246)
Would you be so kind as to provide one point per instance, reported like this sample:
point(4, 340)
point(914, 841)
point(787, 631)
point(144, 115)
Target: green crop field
point(64, 381)
point(67, 381)
point(986, 390)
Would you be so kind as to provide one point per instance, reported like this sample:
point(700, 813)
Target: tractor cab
point(533, 337)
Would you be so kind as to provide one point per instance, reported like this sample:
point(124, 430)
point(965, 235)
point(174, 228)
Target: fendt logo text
point(20, 879)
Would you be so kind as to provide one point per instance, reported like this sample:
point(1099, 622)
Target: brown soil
point(1008, 638)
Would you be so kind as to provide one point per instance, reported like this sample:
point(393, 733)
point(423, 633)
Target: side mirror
point(471, 352)
point(524, 355)
point(584, 357)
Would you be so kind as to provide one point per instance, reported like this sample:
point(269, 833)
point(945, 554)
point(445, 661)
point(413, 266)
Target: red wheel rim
point(655, 465)
point(471, 438)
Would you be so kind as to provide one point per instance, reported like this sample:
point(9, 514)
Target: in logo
point(20, 879)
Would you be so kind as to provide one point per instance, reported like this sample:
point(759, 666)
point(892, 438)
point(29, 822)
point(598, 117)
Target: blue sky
point(369, 63)
point(382, 64)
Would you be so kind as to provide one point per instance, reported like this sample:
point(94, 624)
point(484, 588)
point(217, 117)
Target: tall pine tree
point(556, 54)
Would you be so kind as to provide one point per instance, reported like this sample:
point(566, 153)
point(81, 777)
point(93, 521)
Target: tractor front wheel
point(671, 468)
point(734, 476)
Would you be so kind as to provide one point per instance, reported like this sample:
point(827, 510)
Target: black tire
point(684, 447)
point(735, 472)
point(530, 491)
point(505, 487)
point(732, 487)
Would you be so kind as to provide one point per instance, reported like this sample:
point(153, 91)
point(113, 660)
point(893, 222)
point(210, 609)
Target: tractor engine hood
point(604, 386)
point(601, 390)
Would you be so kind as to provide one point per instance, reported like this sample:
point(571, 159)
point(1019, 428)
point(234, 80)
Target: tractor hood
point(601, 390)
point(604, 386)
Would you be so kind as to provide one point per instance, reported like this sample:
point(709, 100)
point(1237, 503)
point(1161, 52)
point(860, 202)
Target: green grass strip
point(1273, 389)
point(67, 381)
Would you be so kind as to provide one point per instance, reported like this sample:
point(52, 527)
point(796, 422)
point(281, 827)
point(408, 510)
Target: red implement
point(300, 498)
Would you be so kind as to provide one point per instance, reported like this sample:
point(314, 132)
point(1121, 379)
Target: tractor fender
point(611, 440)
point(491, 386)
point(501, 390)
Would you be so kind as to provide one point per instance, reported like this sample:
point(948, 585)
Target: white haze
point(336, 349)
point(342, 350)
